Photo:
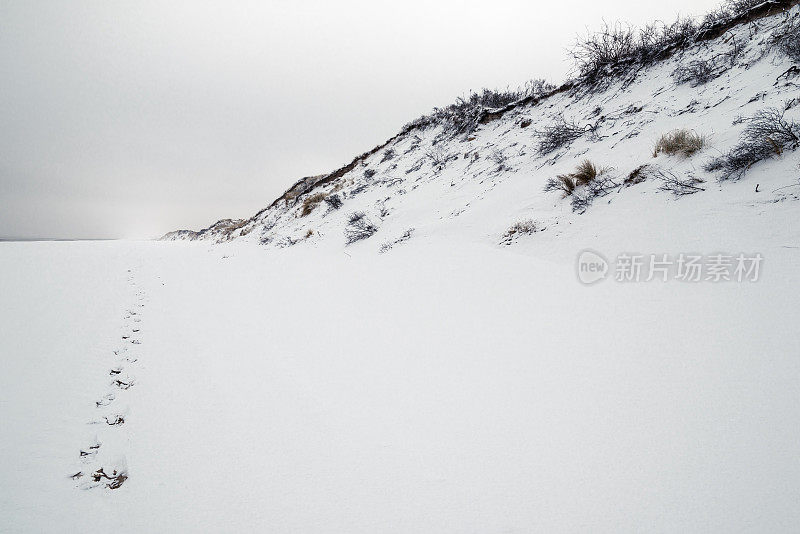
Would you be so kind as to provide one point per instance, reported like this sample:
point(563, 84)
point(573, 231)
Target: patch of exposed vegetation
point(586, 173)
point(311, 202)
point(334, 202)
point(559, 134)
point(696, 72)
point(462, 116)
point(386, 246)
point(358, 227)
point(388, 155)
point(768, 134)
point(587, 183)
point(519, 228)
point(683, 142)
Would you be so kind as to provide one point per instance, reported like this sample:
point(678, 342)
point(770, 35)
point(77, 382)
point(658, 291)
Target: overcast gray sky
point(130, 119)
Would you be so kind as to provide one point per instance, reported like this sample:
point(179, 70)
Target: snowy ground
point(449, 386)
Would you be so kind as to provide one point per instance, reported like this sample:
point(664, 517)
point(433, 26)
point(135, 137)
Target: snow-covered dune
point(472, 173)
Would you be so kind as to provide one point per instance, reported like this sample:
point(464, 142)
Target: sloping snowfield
point(449, 386)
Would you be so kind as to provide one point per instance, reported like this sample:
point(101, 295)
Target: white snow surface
point(447, 387)
point(454, 383)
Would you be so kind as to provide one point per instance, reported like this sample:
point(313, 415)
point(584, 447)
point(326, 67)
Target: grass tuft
point(684, 142)
point(311, 202)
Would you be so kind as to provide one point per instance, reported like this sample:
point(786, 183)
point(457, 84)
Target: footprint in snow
point(123, 384)
point(107, 399)
point(90, 452)
point(116, 479)
point(115, 419)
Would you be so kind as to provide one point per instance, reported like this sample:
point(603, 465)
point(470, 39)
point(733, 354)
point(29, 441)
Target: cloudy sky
point(130, 119)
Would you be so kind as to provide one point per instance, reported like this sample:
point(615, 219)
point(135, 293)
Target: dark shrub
point(680, 186)
point(788, 41)
point(358, 227)
point(767, 134)
point(586, 174)
point(439, 157)
point(558, 135)
point(610, 46)
point(695, 73)
point(462, 117)
point(389, 154)
point(564, 183)
point(617, 48)
point(334, 202)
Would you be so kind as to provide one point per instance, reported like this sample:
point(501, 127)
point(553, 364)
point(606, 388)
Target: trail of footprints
point(102, 462)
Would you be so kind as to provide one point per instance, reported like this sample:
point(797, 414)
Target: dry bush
point(564, 183)
point(695, 73)
point(388, 155)
point(669, 181)
point(637, 175)
point(728, 10)
point(520, 228)
point(684, 142)
point(334, 202)
point(358, 227)
point(439, 157)
point(311, 202)
point(788, 41)
point(593, 181)
point(558, 135)
point(680, 186)
point(341, 184)
point(585, 174)
point(601, 186)
point(608, 47)
point(768, 134)
point(500, 160)
point(386, 246)
point(617, 47)
point(417, 165)
point(462, 116)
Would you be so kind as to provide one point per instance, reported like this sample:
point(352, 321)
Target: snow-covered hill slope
point(475, 185)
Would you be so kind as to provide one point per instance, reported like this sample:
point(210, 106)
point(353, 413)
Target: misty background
point(131, 119)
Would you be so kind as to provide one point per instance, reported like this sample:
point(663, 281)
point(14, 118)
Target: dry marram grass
point(684, 142)
point(311, 202)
